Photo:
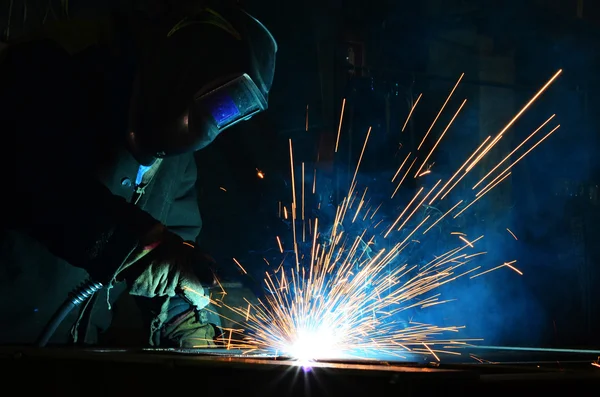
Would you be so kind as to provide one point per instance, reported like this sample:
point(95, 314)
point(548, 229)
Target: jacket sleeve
point(184, 215)
point(51, 193)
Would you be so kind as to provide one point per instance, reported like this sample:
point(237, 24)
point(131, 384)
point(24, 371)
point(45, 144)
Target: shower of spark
point(341, 299)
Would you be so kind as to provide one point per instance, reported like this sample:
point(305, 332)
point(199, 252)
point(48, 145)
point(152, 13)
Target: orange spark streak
point(401, 214)
point(440, 112)
point(303, 190)
point(411, 111)
point(442, 217)
point(456, 173)
point(513, 152)
point(359, 161)
point(404, 177)
point(522, 156)
point(466, 241)
point(419, 205)
point(484, 192)
point(400, 168)
point(306, 117)
point(294, 205)
point(507, 264)
point(240, 265)
point(514, 119)
point(431, 351)
point(337, 141)
point(441, 136)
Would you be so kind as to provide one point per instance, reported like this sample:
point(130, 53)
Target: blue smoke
point(501, 307)
point(537, 203)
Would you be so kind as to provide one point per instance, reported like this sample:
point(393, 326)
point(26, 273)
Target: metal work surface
point(61, 371)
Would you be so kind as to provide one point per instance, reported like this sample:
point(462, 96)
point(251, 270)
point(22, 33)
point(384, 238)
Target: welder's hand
point(171, 267)
point(188, 330)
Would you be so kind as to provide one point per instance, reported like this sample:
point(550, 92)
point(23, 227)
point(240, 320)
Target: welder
point(100, 122)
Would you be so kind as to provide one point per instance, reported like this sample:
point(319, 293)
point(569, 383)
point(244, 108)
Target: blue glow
point(223, 109)
point(140, 175)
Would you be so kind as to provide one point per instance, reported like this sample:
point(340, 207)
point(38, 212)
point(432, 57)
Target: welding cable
point(76, 297)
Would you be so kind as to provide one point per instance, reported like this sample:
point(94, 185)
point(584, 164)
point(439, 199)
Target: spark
point(404, 177)
point(522, 156)
point(375, 212)
point(481, 194)
point(442, 217)
point(456, 173)
point(223, 189)
point(505, 264)
point(514, 268)
point(306, 118)
point(294, 206)
point(260, 174)
point(412, 109)
point(513, 152)
point(440, 112)
point(481, 360)
point(475, 254)
point(302, 190)
point(441, 136)
point(514, 119)
point(362, 152)
point(431, 351)
point(466, 241)
point(400, 168)
point(511, 233)
point(347, 293)
point(220, 286)
point(337, 141)
point(240, 266)
point(418, 205)
point(401, 214)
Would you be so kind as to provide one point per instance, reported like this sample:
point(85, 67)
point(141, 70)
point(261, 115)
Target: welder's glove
point(188, 330)
point(167, 266)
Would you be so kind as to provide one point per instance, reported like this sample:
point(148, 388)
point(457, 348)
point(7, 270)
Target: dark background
point(380, 55)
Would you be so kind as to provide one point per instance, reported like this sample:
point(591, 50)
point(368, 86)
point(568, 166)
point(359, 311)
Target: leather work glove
point(167, 267)
point(185, 327)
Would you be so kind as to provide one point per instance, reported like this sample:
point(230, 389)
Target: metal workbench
point(108, 372)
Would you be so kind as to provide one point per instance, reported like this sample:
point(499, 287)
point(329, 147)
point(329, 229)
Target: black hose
point(76, 298)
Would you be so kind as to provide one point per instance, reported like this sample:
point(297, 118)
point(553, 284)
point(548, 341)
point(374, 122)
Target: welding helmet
point(209, 83)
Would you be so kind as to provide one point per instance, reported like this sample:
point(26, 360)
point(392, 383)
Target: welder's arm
point(184, 215)
point(184, 325)
point(96, 234)
point(48, 165)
